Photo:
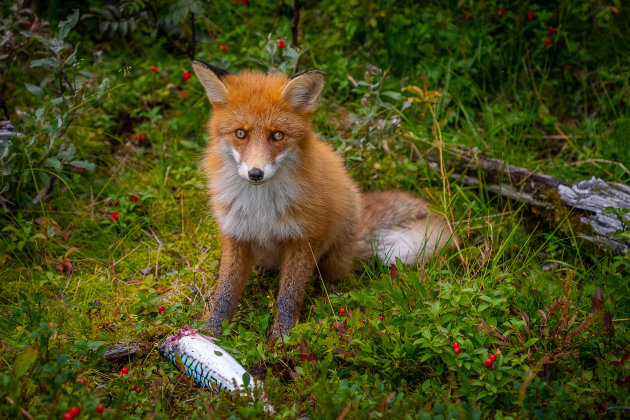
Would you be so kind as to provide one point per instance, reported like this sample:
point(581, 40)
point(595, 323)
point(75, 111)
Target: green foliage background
point(104, 211)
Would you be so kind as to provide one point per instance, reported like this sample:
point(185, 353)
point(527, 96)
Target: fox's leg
point(338, 261)
point(297, 267)
point(236, 264)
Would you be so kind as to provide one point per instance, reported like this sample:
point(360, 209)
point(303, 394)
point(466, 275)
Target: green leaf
point(103, 86)
point(426, 334)
point(83, 164)
point(103, 26)
point(68, 153)
point(49, 62)
point(93, 345)
point(35, 90)
point(105, 13)
point(394, 95)
point(54, 163)
point(246, 379)
point(218, 353)
point(191, 145)
point(66, 25)
point(25, 360)
point(531, 341)
point(71, 58)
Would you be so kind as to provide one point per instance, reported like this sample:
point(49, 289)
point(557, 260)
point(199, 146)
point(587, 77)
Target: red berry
point(160, 308)
point(552, 30)
point(501, 12)
point(133, 388)
point(154, 69)
point(342, 311)
point(493, 357)
point(83, 381)
point(100, 408)
point(89, 386)
point(116, 203)
point(468, 16)
point(457, 350)
point(622, 103)
point(489, 363)
point(455, 345)
point(281, 44)
point(162, 312)
point(245, 2)
point(531, 15)
point(138, 389)
point(183, 94)
point(142, 138)
point(111, 219)
point(68, 416)
point(380, 317)
point(134, 198)
point(547, 43)
point(187, 75)
point(124, 371)
point(115, 215)
point(75, 411)
point(223, 47)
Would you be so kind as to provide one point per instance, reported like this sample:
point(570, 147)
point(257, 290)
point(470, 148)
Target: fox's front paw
point(277, 334)
point(213, 328)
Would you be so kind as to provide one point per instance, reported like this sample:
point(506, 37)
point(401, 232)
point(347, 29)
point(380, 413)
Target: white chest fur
point(258, 213)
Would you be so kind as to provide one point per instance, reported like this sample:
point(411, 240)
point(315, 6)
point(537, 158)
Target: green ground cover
point(104, 212)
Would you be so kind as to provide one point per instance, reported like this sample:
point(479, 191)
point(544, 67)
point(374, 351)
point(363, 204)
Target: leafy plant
point(116, 20)
point(42, 154)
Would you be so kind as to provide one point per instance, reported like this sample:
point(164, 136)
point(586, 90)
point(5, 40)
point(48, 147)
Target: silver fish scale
point(199, 373)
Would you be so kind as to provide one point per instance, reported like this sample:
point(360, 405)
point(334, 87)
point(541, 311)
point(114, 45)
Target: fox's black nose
point(255, 174)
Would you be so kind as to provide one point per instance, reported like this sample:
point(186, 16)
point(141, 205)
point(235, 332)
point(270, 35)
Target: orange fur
point(306, 211)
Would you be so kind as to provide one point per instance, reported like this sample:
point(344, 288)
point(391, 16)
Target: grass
point(74, 282)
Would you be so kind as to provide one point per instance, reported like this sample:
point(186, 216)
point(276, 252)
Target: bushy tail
point(399, 224)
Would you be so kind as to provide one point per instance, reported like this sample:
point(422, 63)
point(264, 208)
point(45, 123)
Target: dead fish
point(203, 360)
point(206, 362)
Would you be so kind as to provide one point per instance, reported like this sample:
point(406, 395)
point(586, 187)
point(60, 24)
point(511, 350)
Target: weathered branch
point(585, 200)
point(120, 350)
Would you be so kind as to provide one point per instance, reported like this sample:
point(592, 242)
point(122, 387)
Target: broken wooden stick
point(116, 351)
point(585, 201)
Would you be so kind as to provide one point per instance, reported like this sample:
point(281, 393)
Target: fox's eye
point(240, 133)
point(277, 136)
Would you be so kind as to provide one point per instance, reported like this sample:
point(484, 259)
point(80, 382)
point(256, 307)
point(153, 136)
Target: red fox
point(283, 199)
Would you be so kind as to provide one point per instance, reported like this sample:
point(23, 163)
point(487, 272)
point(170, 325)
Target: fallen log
point(585, 201)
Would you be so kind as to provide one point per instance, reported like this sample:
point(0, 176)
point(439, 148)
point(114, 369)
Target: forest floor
point(105, 214)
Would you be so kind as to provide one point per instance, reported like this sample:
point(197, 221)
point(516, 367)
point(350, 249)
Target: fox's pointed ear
point(304, 89)
point(211, 79)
